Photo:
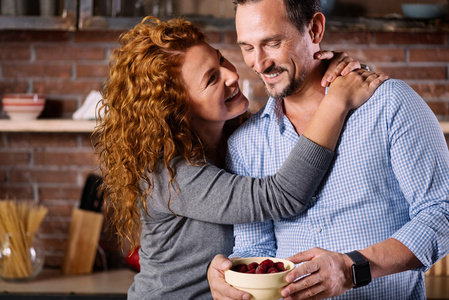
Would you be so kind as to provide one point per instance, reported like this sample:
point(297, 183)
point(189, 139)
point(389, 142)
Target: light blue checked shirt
point(390, 178)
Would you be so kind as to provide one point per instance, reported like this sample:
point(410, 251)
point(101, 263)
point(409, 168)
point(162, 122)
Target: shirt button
point(318, 230)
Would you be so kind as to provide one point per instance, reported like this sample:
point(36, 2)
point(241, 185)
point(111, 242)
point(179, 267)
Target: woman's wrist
point(334, 104)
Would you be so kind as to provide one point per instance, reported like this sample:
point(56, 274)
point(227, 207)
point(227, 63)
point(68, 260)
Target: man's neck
point(301, 106)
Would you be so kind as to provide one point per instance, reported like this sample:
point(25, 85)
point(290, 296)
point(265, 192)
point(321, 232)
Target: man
point(386, 195)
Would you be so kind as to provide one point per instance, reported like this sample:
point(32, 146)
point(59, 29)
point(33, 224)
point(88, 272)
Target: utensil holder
point(84, 235)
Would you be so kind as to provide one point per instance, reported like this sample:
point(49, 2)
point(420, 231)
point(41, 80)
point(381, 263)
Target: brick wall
point(50, 168)
point(419, 58)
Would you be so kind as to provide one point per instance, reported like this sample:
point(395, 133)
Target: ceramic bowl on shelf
point(327, 6)
point(424, 10)
point(23, 107)
point(265, 286)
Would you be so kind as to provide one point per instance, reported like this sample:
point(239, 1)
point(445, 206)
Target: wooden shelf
point(65, 21)
point(47, 125)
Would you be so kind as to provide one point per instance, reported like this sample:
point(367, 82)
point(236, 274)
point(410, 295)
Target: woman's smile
point(233, 96)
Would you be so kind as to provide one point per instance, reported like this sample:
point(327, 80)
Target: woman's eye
point(211, 80)
point(222, 59)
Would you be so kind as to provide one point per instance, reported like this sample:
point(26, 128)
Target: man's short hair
point(299, 12)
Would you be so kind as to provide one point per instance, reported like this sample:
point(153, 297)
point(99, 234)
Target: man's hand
point(340, 64)
point(218, 286)
point(323, 274)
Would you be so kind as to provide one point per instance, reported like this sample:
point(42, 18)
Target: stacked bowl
point(23, 107)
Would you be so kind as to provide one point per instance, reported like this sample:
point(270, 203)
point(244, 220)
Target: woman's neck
point(217, 153)
point(214, 139)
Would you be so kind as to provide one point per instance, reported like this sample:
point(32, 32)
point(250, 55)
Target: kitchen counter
point(52, 284)
point(114, 284)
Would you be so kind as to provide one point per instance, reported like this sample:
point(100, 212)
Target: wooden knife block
point(84, 235)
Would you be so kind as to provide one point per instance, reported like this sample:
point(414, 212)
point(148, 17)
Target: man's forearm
point(389, 257)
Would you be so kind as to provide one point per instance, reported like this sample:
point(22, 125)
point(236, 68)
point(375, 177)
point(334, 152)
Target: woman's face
point(212, 87)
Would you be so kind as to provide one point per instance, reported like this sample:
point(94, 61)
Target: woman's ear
point(316, 27)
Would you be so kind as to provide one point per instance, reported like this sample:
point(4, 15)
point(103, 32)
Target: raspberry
point(262, 269)
point(268, 262)
point(279, 266)
point(266, 266)
point(242, 268)
point(253, 265)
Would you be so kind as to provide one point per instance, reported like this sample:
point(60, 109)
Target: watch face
point(361, 274)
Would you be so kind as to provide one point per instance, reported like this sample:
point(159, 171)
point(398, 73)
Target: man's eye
point(222, 59)
point(246, 48)
point(274, 45)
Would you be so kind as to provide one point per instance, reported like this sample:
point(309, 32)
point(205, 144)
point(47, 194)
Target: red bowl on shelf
point(23, 107)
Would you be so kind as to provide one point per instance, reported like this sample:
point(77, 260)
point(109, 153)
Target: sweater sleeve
point(210, 194)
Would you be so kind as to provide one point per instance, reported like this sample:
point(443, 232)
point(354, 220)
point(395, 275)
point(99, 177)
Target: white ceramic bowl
point(423, 10)
point(23, 107)
point(260, 286)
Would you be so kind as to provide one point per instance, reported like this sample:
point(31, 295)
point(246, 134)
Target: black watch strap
point(361, 269)
point(356, 257)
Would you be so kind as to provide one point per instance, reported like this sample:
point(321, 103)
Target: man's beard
point(289, 90)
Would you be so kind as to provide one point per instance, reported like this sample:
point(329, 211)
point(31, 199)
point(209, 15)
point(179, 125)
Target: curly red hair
point(144, 117)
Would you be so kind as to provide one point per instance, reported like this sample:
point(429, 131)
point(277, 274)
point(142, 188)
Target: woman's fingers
point(340, 64)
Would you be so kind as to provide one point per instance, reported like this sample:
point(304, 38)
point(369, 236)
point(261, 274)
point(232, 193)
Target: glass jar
point(21, 256)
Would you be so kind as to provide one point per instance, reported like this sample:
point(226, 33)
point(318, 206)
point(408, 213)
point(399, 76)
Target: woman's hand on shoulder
point(340, 64)
point(355, 88)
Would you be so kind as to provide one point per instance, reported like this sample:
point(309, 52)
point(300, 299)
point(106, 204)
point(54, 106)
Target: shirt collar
point(273, 110)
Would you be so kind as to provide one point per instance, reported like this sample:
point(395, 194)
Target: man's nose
point(261, 62)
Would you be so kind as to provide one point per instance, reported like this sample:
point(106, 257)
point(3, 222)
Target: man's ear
point(316, 27)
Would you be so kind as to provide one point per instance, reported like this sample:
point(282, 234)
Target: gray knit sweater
point(177, 245)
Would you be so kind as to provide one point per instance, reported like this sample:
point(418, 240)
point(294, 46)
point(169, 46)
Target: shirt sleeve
point(210, 194)
point(420, 161)
point(252, 239)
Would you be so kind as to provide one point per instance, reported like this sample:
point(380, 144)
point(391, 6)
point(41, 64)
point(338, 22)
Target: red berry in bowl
point(242, 268)
point(253, 265)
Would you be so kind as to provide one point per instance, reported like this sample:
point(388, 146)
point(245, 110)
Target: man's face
point(273, 47)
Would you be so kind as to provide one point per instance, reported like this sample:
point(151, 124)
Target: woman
point(169, 104)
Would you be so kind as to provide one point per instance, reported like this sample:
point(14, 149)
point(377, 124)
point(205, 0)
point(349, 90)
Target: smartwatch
point(361, 270)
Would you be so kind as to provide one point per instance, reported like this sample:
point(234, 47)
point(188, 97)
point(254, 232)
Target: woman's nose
point(231, 77)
